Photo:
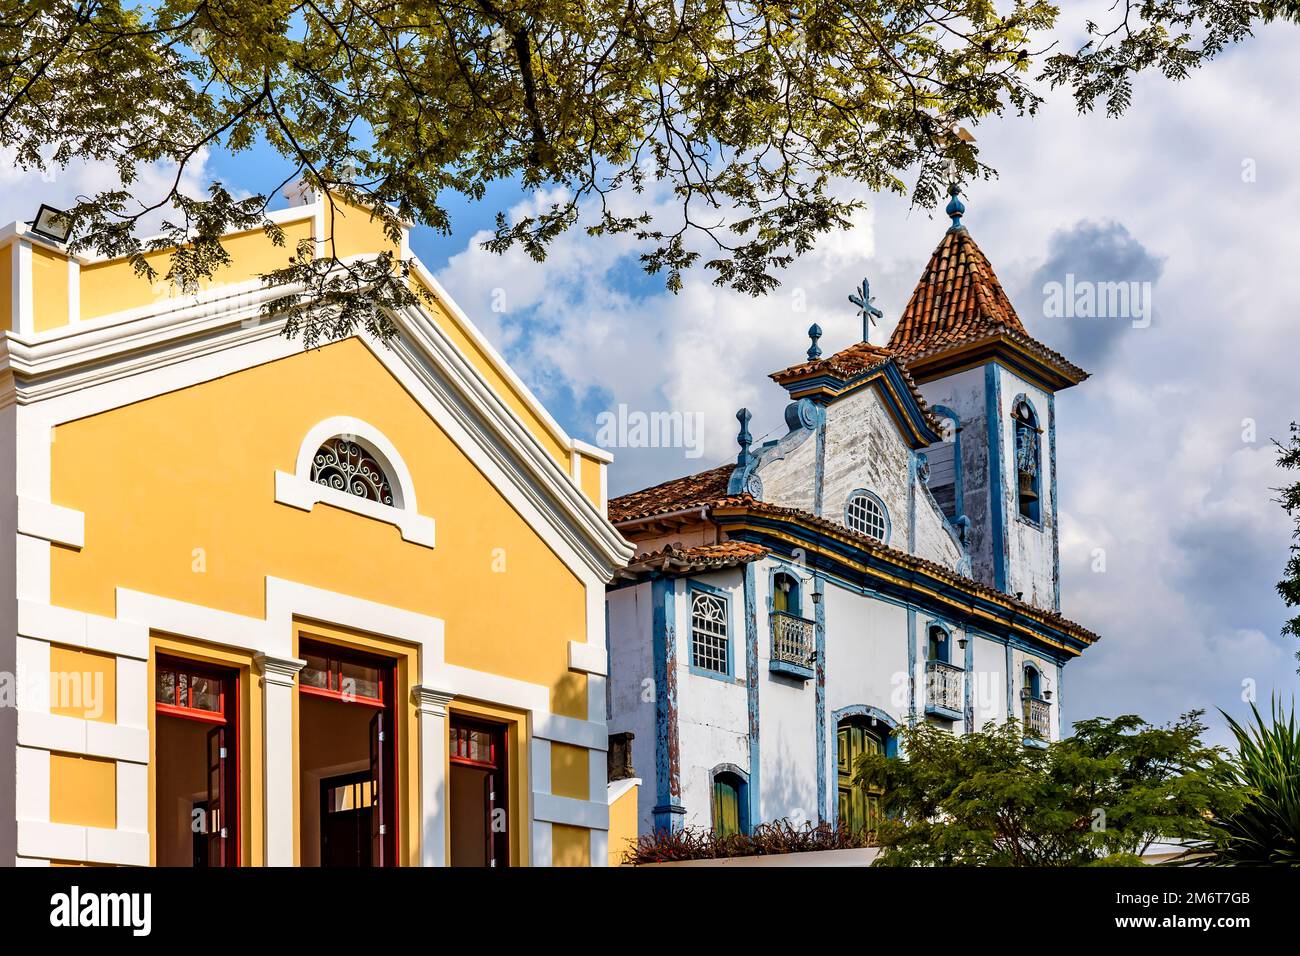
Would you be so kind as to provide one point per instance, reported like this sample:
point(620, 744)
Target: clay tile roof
point(959, 300)
point(676, 495)
point(846, 363)
point(871, 545)
point(697, 558)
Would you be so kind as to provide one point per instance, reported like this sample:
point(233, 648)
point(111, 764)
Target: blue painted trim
point(755, 528)
point(819, 694)
point(751, 691)
point(1060, 699)
point(791, 670)
point(1056, 524)
point(908, 410)
point(743, 801)
point(997, 504)
point(911, 502)
point(866, 710)
point(968, 703)
point(819, 465)
point(911, 665)
point(668, 811)
point(947, 644)
point(1035, 419)
point(889, 524)
point(1011, 686)
point(694, 587)
point(960, 494)
point(774, 569)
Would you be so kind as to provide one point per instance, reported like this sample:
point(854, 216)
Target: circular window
point(866, 515)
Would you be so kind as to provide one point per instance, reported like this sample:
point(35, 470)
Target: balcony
point(943, 690)
point(1037, 715)
point(794, 647)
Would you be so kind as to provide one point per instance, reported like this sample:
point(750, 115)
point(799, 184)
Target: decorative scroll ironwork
point(709, 633)
point(344, 465)
point(1038, 717)
point(792, 639)
point(943, 686)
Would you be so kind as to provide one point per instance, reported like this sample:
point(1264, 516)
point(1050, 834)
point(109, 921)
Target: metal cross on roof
point(863, 299)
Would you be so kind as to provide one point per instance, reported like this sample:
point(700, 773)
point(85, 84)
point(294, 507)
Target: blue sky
point(1165, 465)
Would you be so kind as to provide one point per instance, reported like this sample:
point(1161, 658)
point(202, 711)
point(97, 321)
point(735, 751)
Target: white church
point(892, 559)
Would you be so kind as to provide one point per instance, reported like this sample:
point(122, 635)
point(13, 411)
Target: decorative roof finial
point(863, 299)
point(956, 209)
point(744, 439)
point(814, 350)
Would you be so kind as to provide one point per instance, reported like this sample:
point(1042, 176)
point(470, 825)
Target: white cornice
point(71, 360)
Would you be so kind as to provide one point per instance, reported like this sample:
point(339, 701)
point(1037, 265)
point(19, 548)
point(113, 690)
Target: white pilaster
point(432, 707)
point(278, 675)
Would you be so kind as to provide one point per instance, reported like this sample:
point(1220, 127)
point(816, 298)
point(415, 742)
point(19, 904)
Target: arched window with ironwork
point(1029, 461)
point(345, 464)
point(351, 465)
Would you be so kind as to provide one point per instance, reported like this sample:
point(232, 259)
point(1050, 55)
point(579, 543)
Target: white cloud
point(1152, 464)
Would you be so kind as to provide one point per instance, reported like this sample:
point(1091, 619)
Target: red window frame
point(228, 716)
point(335, 657)
point(494, 732)
point(187, 710)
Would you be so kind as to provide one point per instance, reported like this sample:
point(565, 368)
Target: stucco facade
point(179, 562)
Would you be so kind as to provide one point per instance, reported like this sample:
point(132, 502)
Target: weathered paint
point(753, 790)
point(819, 700)
point(667, 812)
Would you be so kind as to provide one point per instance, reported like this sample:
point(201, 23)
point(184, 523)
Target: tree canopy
point(1101, 796)
point(752, 115)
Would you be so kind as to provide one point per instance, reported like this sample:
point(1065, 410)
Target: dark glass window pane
point(165, 686)
point(206, 694)
point(316, 671)
point(359, 680)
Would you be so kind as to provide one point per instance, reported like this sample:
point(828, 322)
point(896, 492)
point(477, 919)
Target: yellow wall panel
point(83, 791)
point(49, 288)
point(7, 286)
point(83, 684)
point(622, 826)
point(570, 773)
point(188, 511)
point(570, 846)
point(589, 476)
point(112, 286)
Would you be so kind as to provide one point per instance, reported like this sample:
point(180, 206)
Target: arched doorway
point(857, 808)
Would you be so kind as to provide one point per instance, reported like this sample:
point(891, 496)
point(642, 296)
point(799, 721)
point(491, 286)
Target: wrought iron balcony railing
point(793, 641)
point(943, 689)
point(1037, 718)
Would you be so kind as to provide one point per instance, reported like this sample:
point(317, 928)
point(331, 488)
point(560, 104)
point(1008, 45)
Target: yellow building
point(270, 606)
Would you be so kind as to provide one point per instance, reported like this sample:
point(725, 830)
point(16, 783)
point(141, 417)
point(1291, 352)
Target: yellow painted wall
point(83, 684)
point(622, 826)
point(570, 846)
point(178, 494)
point(112, 285)
point(49, 288)
point(570, 774)
point(589, 478)
point(7, 281)
point(83, 791)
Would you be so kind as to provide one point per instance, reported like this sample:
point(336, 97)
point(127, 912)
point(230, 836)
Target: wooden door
point(858, 808)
